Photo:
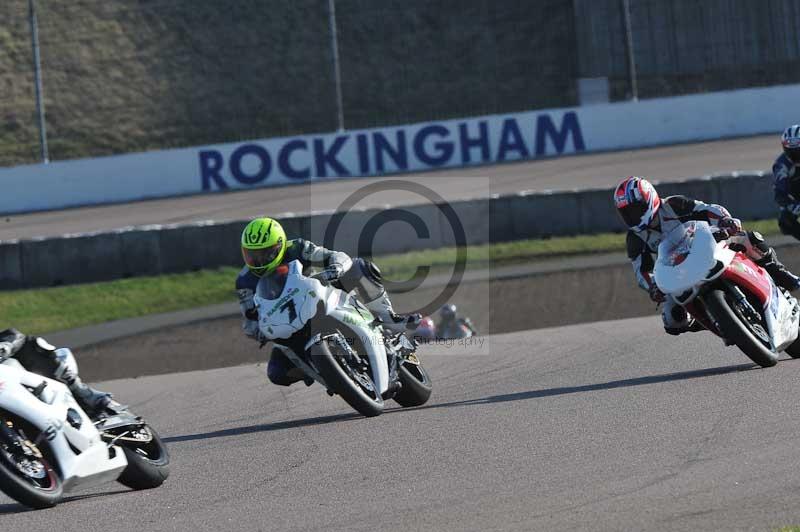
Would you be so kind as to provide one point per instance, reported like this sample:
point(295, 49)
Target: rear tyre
point(416, 388)
point(31, 481)
point(794, 349)
point(355, 387)
point(148, 460)
point(739, 330)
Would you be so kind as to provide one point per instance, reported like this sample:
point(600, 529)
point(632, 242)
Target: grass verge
point(39, 311)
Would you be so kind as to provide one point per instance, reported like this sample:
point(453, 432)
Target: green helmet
point(263, 245)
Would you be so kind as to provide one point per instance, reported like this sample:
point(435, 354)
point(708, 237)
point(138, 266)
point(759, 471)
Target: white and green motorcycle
point(336, 341)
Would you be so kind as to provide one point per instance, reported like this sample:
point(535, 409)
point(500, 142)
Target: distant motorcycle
point(728, 293)
point(336, 341)
point(49, 445)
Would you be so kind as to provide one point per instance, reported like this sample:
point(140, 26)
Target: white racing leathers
point(642, 247)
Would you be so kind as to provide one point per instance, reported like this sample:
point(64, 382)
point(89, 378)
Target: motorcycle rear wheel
point(416, 388)
point(737, 329)
point(148, 461)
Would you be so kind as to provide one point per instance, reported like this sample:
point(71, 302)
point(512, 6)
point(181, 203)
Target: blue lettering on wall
point(325, 158)
point(235, 164)
point(546, 129)
point(284, 160)
point(211, 163)
point(397, 153)
point(468, 143)
point(443, 150)
point(511, 141)
point(363, 153)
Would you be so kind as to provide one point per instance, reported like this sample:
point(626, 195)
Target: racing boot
point(397, 323)
point(782, 277)
point(94, 402)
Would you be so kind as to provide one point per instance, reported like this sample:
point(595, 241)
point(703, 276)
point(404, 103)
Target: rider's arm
point(641, 260)
point(691, 209)
point(780, 175)
point(11, 341)
point(246, 283)
point(310, 254)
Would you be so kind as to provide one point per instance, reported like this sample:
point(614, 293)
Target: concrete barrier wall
point(155, 250)
point(397, 149)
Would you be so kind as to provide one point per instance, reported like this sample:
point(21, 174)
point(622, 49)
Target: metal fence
point(131, 75)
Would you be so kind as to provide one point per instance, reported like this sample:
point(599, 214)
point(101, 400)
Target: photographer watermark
point(424, 227)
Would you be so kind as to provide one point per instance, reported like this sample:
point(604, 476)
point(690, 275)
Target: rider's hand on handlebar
point(657, 295)
point(730, 225)
point(329, 274)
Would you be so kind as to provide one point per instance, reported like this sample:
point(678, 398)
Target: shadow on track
point(268, 427)
point(16, 508)
point(566, 390)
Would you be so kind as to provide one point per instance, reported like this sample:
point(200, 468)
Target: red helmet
point(426, 329)
point(637, 202)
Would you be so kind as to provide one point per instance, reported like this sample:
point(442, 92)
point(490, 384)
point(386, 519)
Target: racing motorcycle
point(336, 341)
point(726, 292)
point(49, 445)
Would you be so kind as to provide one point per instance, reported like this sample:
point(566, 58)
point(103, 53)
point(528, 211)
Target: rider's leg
point(756, 248)
point(38, 356)
point(788, 224)
point(282, 372)
point(677, 320)
point(364, 278)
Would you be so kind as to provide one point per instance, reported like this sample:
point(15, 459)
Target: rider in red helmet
point(648, 217)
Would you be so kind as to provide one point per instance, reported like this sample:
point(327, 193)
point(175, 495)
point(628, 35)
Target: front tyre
point(26, 477)
point(354, 384)
point(417, 386)
point(748, 336)
point(148, 459)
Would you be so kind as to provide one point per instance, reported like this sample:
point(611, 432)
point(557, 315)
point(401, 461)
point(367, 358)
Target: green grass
point(50, 309)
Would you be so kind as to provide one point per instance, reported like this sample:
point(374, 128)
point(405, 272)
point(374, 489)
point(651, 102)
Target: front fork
point(697, 309)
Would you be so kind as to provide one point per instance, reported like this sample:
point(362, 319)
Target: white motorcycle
point(336, 341)
point(49, 445)
point(729, 294)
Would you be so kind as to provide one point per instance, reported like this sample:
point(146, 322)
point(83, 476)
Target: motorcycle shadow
point(265, 427)
point(16, 508)
point(566, 390)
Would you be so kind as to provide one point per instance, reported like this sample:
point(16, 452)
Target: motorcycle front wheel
point(749, 336)
point(27, 478)
point(343, 377)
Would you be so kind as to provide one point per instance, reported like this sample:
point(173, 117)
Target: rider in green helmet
point(265, 250)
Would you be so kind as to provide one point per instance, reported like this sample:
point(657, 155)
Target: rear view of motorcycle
point(49, 445)
point(728, 293)
point(337, 342)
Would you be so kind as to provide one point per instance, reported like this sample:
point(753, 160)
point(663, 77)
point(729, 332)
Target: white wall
point(453, 143)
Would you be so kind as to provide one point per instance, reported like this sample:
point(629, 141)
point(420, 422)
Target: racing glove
point(657, 295)
point(329, 274)
point(794, 208)
point(731, 225)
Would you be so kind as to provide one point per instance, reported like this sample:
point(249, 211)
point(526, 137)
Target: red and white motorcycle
point(729, 294)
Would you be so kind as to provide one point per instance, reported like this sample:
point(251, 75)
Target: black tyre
point(31, 481)
point(148, 459)
point(794, 349)
point(355, 387)
point(749, 337)
point(417, 386)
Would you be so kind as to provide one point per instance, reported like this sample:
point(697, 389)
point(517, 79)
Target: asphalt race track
point(598, 170)
point(605, 426)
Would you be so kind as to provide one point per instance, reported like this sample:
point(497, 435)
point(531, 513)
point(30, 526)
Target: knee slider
point(757, 241)
point(363, 277)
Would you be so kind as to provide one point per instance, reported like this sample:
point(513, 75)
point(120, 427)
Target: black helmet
point(791, 143)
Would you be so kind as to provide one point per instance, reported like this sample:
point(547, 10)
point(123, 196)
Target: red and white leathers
point(642, 247)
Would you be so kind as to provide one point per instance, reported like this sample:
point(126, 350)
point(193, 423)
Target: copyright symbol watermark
point(398, 229)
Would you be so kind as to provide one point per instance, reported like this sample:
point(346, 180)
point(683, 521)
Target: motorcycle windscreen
point(685, 256)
